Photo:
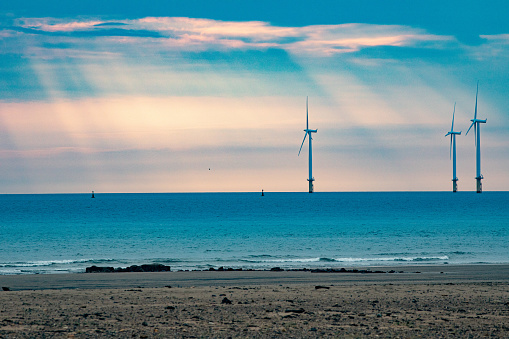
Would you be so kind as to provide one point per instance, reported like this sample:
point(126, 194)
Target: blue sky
point(128, 96)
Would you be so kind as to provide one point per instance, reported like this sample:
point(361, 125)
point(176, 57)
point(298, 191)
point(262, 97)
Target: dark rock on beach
point(133, 268)
point(163, 268)
point(145, 268)
point(97, 269)
point(277, 269)
point(226, 301)
point(229, 269)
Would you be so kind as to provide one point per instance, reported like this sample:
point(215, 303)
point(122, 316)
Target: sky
point(203, 96)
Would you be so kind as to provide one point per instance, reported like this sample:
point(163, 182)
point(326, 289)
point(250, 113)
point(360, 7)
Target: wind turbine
point(309, 131)
point(477, 136)
point(452, 149)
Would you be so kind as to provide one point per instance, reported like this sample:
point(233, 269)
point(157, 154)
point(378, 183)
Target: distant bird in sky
point(309, 131)
point(477, 135)
point(452, 149)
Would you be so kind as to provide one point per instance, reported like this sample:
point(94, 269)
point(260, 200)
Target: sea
point(65, 233)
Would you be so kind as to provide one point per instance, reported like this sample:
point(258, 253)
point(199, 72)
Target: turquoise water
point(68, 232)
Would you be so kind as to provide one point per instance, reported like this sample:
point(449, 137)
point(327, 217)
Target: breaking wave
point(351, 260)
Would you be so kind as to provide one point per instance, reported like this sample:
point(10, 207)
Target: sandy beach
point(434, 301)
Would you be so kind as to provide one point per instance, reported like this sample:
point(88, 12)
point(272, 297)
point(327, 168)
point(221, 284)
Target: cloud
point(504, 38)
point(190, 34)
point(492, 48)
point(317, 39)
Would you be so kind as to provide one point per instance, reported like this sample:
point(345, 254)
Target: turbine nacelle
point(475, 122)
point(478, 120)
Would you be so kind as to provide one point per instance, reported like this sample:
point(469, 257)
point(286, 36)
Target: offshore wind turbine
point(452, 149)
point(309, 131)
point(477, 135)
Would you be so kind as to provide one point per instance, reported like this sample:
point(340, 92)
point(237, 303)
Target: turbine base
point(455, 185)
point(479, 185)
point(311, 186)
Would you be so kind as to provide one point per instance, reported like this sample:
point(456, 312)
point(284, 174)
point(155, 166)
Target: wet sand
point(441, 301)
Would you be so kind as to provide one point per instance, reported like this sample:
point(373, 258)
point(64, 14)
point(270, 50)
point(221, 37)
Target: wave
point(42, 263)
point(170, 261)
point(349, 259)
point(282, 260)
point(253, 260)
point(377, 259)
point(250, 261)
point(261, 256)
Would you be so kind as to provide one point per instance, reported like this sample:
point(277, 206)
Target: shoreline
point(415, 274)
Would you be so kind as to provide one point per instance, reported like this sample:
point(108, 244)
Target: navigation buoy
point(93, 194)
point(262, 193)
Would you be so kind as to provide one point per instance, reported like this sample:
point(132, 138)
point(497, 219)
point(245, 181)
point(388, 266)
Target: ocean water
point(59, 233)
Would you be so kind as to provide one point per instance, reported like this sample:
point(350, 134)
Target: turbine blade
point(450, 149)
point(305, 135)
point(470, 128)
point(452, 126)
point(475, 134)
point(477, 92)
point(307, 115)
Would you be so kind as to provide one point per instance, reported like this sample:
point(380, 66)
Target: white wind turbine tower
point(452, 149)
point(477, 132)
point(309, 131)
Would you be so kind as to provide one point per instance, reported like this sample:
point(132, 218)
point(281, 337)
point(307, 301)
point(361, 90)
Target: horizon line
point(243, 192)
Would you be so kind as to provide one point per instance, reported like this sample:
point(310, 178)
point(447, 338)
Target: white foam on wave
point(291, 260)
point(353, 259)
point(39, 263)
point(48, 266)
point(375, 259)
